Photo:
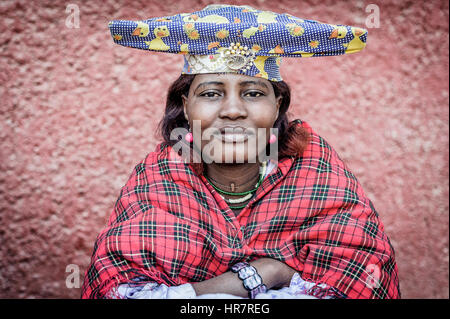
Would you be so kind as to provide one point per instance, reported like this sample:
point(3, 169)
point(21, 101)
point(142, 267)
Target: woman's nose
point(233, 108)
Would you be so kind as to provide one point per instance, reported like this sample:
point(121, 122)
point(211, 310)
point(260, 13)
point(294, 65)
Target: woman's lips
point(233, 134)
point(234, 137)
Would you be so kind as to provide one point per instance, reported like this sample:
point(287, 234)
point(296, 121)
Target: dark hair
point(292, 137)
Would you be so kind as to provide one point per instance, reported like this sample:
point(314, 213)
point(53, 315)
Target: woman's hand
point(274, 273)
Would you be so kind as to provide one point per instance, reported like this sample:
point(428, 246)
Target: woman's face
point(234, 113)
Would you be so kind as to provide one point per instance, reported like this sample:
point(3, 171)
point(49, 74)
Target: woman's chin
point(232, 158)
point(234, 154)
point(226, 152)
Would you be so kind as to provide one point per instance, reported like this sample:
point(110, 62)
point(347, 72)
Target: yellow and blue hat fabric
point(238, 39)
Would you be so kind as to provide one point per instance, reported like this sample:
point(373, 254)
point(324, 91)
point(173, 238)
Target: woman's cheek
point(204, 113)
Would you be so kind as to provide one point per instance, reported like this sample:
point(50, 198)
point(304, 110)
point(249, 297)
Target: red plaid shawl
point(170, 226)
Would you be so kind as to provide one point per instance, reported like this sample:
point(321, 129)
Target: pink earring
point(272, 139)
point(189, 138)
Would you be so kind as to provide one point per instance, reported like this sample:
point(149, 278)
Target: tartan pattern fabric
point(170, 226)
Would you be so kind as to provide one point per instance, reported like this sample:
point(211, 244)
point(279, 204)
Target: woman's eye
point(254, 94)
point(210, 94)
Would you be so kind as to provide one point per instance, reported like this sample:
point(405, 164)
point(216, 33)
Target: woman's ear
point(278, 103)
point(184, 99)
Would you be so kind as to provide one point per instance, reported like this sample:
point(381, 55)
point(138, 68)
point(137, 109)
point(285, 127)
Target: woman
point(209, 213)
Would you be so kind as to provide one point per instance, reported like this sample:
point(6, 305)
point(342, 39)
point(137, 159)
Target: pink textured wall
point(78, 112)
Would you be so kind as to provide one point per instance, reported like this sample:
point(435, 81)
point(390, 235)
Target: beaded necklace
point(246, 195)
point(232, 186)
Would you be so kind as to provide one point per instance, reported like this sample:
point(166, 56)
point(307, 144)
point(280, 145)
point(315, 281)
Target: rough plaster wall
point(78, 112)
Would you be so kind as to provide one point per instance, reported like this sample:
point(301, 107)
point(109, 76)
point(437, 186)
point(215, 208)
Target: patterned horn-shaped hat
point(238, 39)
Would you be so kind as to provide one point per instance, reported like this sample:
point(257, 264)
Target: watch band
point(251, 280)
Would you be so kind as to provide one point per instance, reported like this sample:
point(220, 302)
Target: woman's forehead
point(228, 79)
